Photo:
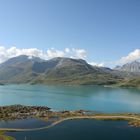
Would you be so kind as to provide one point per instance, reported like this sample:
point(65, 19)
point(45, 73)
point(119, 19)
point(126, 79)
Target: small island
point(19, 112)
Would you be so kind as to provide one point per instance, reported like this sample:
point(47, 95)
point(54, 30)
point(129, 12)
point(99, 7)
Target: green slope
point(133, 82)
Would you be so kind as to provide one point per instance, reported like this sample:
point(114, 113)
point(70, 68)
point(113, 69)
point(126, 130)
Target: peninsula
point(18, 112)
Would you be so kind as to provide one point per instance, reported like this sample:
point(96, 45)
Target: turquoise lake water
point(98, 98)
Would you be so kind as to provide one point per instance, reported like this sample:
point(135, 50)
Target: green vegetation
point(3, 137)
point(133, 82)
point(79, 79)
point(2, 132)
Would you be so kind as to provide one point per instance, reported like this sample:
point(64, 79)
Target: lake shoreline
point(44, 113)
point(20, 112)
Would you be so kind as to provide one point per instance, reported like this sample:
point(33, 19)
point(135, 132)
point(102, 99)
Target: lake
point(83, 130)
point(98, 98)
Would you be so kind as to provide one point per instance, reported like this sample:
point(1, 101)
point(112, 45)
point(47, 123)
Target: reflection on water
point(28, 123)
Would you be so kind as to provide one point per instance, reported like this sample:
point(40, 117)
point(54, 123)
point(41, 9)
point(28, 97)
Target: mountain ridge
point(59, 70)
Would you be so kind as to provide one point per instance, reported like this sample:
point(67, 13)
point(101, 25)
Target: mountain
point(60, 70)
point(130, 67)
point(131, 74)
point(58, 63)
point(20, 59)
point(71, 71)
point(18, 69)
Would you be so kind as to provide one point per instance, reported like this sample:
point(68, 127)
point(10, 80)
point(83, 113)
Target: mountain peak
point(130, 67)
point(21, 59)
point(60, 62)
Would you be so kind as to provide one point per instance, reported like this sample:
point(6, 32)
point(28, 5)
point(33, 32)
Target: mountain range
point(61, 70)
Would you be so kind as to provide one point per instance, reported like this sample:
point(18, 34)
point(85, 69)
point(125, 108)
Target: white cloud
point(13, 52)
point(67, 50)
point(132, 56)
point(51, 53)
point(79, 53)
point(96, 64)
point(6, 53)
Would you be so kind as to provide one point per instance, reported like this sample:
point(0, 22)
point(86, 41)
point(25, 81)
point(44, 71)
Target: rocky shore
point(14, 112)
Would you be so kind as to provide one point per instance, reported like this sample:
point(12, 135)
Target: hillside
point(23, 69)
point(132, 82)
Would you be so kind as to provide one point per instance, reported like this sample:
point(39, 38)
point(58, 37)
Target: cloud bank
point(5, 53)
point(77, 53)
point(132, 56)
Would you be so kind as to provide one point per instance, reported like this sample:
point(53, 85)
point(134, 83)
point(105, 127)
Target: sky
point(103, 32)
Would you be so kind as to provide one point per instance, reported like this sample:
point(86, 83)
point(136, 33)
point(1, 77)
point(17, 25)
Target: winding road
point(107, 117)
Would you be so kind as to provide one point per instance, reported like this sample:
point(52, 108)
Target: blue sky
point(106, 29)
